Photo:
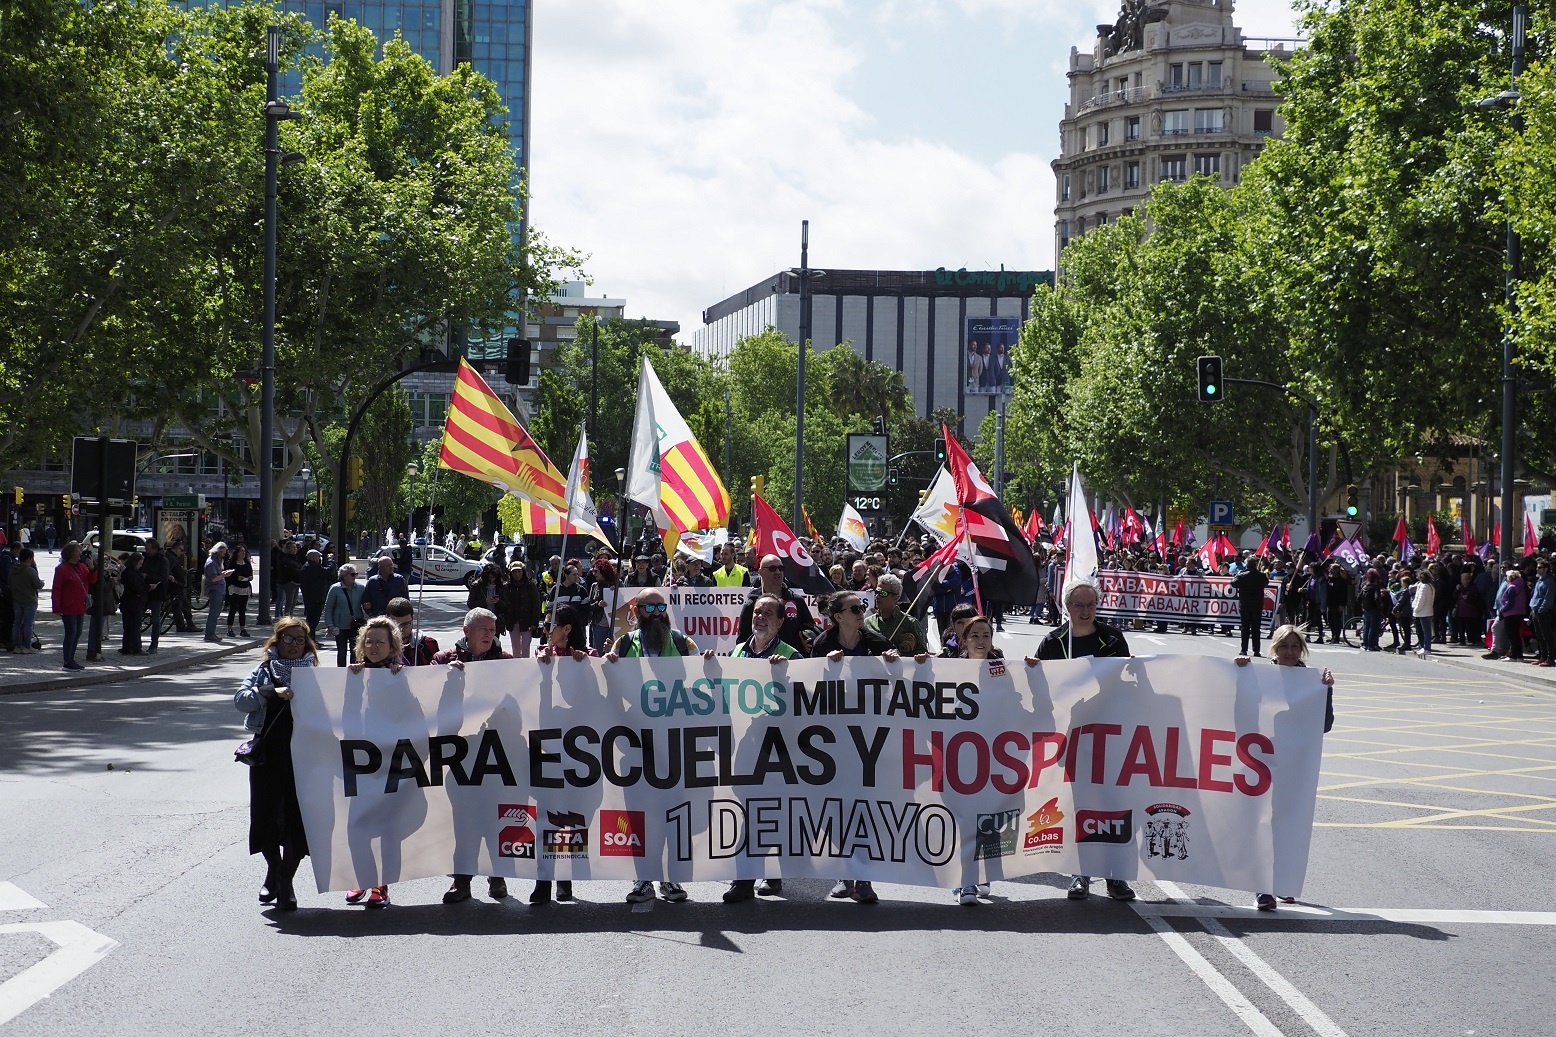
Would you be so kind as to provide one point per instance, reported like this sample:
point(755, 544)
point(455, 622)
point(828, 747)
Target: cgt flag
point(774, 537)
point(1008, 572)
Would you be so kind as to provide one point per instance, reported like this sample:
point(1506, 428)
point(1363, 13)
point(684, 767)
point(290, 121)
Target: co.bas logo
point(1104, 826)
point(1045, 832)
point(621, 833)
point(517, 838)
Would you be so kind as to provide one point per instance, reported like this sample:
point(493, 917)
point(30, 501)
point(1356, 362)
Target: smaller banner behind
point(1174, 599)
point(933, 774)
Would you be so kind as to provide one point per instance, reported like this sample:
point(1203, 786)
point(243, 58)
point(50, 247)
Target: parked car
point(125, 541)
point(433, 564)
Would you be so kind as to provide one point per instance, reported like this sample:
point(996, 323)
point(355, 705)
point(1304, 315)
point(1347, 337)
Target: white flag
point(851, 527)
point(939, 510)
point(1082, 541)
point(582, 516)
point(643, 461)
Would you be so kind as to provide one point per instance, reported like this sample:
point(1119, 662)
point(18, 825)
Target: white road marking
point(1294, 998)
point(79, 949)
point(1219, 985)
point(1153, 640)
point(1306, 913)
point(14, 898)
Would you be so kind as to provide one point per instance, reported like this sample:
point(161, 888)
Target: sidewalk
point(45, 672)
point(1470, 659)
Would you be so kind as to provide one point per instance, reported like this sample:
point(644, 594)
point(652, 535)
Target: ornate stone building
point(1169, 90)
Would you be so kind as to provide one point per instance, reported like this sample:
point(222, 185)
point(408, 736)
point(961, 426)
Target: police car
point(433, 564)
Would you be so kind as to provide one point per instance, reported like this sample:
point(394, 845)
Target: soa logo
point(621, 833)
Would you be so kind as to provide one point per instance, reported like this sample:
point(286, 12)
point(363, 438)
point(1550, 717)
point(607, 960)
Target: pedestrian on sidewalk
point(8, 555)
point(72, 588)
point(238, 588)
point(343, 615)
point(154, 568)
point(275, 817)
point(215, 576)
point(132, 604)
point(24, 584)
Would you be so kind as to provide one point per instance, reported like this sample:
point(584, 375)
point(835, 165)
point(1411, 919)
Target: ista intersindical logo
point(568, 835)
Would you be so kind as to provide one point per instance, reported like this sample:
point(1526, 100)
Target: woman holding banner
point(1084, 636)
point(1289, 648)
point(378, 647)
point(275, 818)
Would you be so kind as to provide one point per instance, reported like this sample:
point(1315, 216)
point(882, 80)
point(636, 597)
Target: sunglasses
point(292, 639)
point(653, 608)
point(772, 568)
point(856, 608)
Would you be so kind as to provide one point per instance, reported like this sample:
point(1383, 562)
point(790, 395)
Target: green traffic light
point(1350, 511)
point(1210, 390)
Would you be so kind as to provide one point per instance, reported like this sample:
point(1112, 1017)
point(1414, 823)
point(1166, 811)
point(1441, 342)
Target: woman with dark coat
point(132, 604)
point(275, 818)
point(522, 612)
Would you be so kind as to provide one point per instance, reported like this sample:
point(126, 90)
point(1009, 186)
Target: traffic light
point(19, 495)
point(1351, 507)
point(940, 454)
point(880, 425)
point(517, 372)
point(891, 477)
point(758, 485)
point(65, 501)
point(923, 495)
point(1210, 379)
point(354, 477)
point(351, 508)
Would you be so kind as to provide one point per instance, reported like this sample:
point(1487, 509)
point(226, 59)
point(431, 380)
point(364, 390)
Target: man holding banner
point(799, 623)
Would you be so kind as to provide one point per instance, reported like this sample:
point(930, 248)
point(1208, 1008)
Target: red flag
point(1133, 526)
point(1161, 542)
point(1034, 527)
point(1469, 538)
point(1531, 535)
point(971, 486)
point(1285, 538)
point(1059, 533)
point(774, 537)
point(1496, 535)
point(948, 553)
point(1434, 542)
point(1178, 534)
point(1401, 534)
point(999, 552)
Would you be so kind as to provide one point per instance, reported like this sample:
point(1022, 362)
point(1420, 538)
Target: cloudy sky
point(680, 142)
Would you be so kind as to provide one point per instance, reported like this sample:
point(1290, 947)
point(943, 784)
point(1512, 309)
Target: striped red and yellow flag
point(482, 439)
point(670, 471)
point(691, 493)
point(539, 520)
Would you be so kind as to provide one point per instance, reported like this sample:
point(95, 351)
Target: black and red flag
point(1007, 572)
point(774, 537)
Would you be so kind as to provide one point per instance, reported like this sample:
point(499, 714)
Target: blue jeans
point(72, 636)
point(1372, 629)
point(1424, 628)
point(213, 612)
point(21, 626)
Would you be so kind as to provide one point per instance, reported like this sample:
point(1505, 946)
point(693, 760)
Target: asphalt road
point(1427, 910)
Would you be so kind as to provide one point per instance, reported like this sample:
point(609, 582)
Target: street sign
point(1221, 513)
point(1349, 528)
point(1214, 529)
point(184, 500)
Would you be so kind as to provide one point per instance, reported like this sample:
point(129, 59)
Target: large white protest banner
point(937, 774)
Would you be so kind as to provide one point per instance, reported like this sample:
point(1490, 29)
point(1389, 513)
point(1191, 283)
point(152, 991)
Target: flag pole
point(421, 588)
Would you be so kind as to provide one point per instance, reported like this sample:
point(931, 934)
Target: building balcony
point(1169, 89)
point(1133, 95)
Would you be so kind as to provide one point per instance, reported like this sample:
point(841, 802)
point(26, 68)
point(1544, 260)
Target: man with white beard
point(653, 638)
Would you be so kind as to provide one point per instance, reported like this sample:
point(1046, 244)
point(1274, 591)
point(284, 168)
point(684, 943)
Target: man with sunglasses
point(653, 638)
point(799, 623)
point(891, 621)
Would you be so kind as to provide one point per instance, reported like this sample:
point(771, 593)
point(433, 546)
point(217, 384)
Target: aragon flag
point(482, 439)
point(1007, 570)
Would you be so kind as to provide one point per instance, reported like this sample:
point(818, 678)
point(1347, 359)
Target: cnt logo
point(569, 836)
point(1104, 826)
point(1167, 831)
point(996, 835)
point(1045, 833)
point(621, 833)
point(517, 838)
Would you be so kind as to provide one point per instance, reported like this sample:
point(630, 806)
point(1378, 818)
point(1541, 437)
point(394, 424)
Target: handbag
point(251, 753)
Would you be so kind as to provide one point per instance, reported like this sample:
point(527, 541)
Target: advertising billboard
point(991, 345)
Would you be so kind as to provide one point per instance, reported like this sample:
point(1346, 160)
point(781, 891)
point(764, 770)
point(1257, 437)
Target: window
point(1064, 188)
point(1064, 233)
point(1175, 76)
point(1103, 179)
point(1209, 165)
point(1102, 134)
point(1263, 120)
point(1174, 168)
point(1196, 75)
point(1207, 120)
point(1132, 128)
point(1131, 176)
point(1213, 75)
point(1175, 122)
point(428, 409)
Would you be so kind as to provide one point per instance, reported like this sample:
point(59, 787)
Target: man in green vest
point(730, 574)
point(654, 637)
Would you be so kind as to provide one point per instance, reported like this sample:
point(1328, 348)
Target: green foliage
point(383, 442)
point(458, 500)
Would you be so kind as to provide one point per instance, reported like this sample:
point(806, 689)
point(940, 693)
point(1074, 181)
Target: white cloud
point(681, 143)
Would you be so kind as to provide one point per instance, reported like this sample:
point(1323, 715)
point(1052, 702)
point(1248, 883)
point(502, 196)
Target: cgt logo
point(517, 838)
point(996, 834)
point(1104, 826)
point(621, 833)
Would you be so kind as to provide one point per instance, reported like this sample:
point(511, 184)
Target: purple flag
point(1313, 545)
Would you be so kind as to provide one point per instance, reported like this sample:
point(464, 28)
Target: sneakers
point(354, 896)
point(497, 887)
point(1118, 889)
point(967, 896)
point(983, 889)
point(378, 896)
point(564, 890)
point(844, 890)
point(642, 892)
point(864, 893)
point(1080, 887)
point(1265, 901)
point(671, 892)
point(459, 891)
point(769, 887)
point(739, 890)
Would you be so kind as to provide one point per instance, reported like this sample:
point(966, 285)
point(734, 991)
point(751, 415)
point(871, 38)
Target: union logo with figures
point(1167, 831)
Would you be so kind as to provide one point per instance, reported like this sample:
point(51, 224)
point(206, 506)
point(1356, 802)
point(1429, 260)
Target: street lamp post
point(1508, 99)
point(621, 510)
point(412, 470)
point(303, 511)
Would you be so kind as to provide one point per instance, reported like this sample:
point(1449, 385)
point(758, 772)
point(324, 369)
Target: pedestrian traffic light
point(1209, 379)
point(891, 477)
point(65, 501)
point(940, 454)
point(19, 495)
point(1351, 508)
point(923, 495)
point(758, 485)
point(354, 479)
point(517, 372)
